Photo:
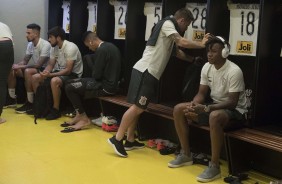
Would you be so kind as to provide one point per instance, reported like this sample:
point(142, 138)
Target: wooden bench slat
point(258, 138)
point(156, 109)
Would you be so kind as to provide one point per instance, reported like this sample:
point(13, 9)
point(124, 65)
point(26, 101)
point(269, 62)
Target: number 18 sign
point(243, 33)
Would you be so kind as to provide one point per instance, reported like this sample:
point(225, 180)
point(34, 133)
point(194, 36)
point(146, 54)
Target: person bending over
point(148, 70)
point(105, 67)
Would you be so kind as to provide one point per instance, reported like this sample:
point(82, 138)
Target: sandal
point(65, 124)
point(69, 129)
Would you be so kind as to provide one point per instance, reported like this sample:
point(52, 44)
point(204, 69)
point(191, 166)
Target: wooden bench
point(156, 109)
point(254, 149)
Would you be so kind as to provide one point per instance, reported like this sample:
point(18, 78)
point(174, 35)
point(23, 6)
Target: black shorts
point(65, 78)
point(142, 88)
point(233, 114)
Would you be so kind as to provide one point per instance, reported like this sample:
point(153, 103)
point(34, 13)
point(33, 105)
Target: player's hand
point(206, 38)
point(15, 66)
point(199, 108)
point(45, 73)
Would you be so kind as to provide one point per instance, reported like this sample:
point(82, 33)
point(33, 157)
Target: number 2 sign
point(196, 30)
point(120, 17)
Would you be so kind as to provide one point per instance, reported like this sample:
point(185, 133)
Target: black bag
point(191, 82)
point(43, 100)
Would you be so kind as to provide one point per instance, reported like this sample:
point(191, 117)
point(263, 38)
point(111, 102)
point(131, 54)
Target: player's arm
point(66, 71)
point(183, 42)
point(50, 65)
point(183, 56)
point(40, 63)
point(201, 95)
point(22, 64)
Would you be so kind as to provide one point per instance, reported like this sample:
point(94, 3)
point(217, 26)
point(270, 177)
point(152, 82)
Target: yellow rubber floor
point(41, 154)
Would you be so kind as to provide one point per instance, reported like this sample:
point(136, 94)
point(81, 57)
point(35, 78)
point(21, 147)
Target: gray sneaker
point(180, 160)
point(211, 173)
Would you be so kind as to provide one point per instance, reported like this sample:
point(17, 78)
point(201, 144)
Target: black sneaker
point(118, 146)
point(30, 112)
point(10, 102)
point(133, 145)
point(53, 114)
point(26, 107)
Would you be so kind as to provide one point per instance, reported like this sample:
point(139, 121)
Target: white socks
point(12, 92)
point(30, 96)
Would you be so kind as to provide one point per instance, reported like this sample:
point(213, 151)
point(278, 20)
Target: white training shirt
point(42, 49)
point(155, 58)
point(5, 31)
point(68, 52)
point(229, 78)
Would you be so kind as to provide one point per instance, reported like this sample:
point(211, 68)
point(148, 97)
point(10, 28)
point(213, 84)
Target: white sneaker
point(97, 121)
point(211, 173)
point(180, 160)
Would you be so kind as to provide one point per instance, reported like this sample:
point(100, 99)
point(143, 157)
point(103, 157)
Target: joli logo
point(121, 32)
point(198, 35)
point(244, 47)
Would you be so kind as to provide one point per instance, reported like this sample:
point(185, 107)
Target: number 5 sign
point(153, 11)
point(120, 17)
point(243, 33)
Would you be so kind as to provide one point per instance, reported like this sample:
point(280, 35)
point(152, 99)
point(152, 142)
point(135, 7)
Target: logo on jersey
point(143, 100)
point(198, 35)
point(245, 47)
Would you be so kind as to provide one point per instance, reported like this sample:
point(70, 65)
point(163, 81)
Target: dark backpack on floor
point(43, 100)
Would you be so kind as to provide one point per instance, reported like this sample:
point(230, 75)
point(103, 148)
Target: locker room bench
point(253, 149)
point(156, 109)
point(153, 108)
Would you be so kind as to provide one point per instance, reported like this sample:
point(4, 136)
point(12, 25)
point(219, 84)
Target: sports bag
point(43, 100)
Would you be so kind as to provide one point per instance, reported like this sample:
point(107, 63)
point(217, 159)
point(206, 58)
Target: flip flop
point(69, 129)
point(65, 124)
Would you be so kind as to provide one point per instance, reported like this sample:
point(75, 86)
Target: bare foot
point(74, 120)
point(2, 120)
point(82, 123)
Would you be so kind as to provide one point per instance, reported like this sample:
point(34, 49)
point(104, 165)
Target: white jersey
point(229, 78)
point(42, 49)
point(155, 58)
point(5, 31)
point(68, 52)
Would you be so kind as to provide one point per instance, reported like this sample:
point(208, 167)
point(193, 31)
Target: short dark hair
point(57, 32)
point(33, 26)
point(213, 40)
point(184, 13)
point(89, 35)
